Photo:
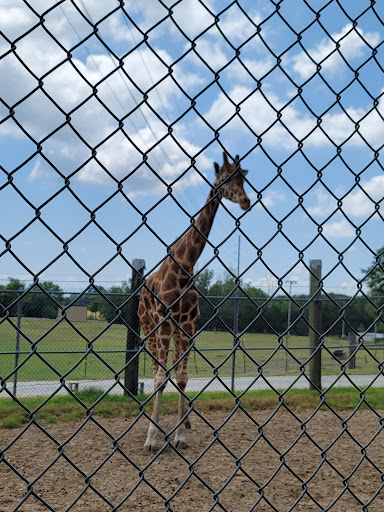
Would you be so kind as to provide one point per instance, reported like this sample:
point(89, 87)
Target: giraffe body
point(169, 305)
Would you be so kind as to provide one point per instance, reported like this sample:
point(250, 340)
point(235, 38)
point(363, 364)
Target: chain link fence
point(111, 115)
point(280, 322)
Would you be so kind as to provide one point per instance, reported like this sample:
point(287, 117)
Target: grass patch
point(66, 408)
point(256, 349)
point(13, 421)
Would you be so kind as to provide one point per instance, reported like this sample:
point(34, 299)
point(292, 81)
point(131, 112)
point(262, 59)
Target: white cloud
point(120, 157)
point(39, 116)
point(268, 283)
point(325, 204)
point(338, 229)
point(41, 54)
point(350, 287)
point(192, 16)
point(15, 18)
point(63, 21)
point(258, 68)
point(261, 116)
point(360, 203)
point(236, 27)
point(96, 10)
point(352, 46)
point(212, 53)
point(271, 197)
point(216, 51)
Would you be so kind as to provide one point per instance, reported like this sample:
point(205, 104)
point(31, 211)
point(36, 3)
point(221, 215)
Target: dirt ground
point(233, 463)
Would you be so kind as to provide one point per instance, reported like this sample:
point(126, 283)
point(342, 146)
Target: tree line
point(224, 304)
point(252, 310)
point(45, 299)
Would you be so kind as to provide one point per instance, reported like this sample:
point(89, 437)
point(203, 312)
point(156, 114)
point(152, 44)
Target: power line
point(225, 250)
point(146, 120)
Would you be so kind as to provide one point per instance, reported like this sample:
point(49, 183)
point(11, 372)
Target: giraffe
point(168, 306)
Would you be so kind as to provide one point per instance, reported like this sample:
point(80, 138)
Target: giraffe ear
point(225, 157)
point(244, 172)
point(217, 168)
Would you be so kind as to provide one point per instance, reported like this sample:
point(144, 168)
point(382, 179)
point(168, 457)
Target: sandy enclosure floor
point(283, 461)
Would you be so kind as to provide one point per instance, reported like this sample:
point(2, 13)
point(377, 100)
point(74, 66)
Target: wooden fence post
point(315, 321)
point(131, 374)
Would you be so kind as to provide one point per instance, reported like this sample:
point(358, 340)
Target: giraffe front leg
point(180, 440)
point(182, 343)
point(150, 444)
point(158, 347)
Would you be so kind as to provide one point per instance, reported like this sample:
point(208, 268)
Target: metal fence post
point(235, 330)
point(235, 321)
point(352, 346)
point(291, 282)
point(131, 374)
point(315, 321)
point(17, 347)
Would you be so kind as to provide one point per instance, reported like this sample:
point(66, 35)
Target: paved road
point(45, 388)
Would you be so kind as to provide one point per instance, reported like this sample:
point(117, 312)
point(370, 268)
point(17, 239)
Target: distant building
point(372, 336)
point(75, 313)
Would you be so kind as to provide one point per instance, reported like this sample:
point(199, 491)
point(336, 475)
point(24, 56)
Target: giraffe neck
point(188, 249)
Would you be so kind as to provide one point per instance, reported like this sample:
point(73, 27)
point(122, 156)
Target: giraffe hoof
point(180, 444)
point(150, 448)
point(187, 423)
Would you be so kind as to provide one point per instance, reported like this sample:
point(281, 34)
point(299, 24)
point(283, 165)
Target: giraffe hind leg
point(189, 318)
point(182, 343)
point(179, 348)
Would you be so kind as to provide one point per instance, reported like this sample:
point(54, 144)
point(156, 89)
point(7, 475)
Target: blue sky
point(277, 228)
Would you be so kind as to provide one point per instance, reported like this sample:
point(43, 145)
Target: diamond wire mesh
point(318, 123)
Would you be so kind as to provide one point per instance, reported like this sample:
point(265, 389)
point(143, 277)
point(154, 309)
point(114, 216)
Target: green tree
point(250, 315)
point(78, 299)
point(96, 300)
point(223, 286)
point(43, 305)
point(211, 318)
point(8, 295)
point(254, 292)
point(217, 312)
point(375, 281)
point(375, 274)
point(117, 295)
point(203, 281)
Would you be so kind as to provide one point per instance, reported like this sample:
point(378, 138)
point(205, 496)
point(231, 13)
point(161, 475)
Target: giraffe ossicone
point(169, 304)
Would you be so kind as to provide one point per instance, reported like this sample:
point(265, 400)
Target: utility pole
point(291, 282)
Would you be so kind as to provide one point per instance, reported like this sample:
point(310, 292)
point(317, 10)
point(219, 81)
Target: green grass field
point(213, 351)
point(67, 408)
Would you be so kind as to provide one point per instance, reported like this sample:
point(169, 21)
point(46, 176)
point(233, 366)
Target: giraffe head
point(230, 182)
